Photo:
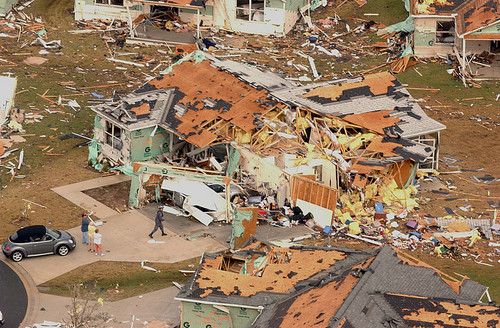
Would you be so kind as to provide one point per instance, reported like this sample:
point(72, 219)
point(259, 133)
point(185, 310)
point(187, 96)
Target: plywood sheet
point(313, 192)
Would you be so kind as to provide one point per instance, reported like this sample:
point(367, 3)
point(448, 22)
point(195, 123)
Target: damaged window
point(252, 10)
point(109, 2)
point(113, 136)
point(445, 32)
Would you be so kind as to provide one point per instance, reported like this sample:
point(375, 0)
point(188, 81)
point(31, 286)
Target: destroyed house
point(156, 20)
point(301, 143)
point(268, 286)
point(127, 130)
point(462, 27)
point(378, 103)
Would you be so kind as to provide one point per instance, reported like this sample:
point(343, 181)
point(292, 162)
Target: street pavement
point(13, 297)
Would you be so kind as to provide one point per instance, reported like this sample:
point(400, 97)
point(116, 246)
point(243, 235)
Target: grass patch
point(118, 280)
point(389, 11)
point(485, 275)
point(452, 90)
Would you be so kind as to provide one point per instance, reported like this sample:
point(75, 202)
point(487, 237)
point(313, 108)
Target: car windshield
point(54, 233)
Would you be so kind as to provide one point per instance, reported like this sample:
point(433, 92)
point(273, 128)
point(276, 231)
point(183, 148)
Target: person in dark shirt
point(85, 228)
point(158, 223)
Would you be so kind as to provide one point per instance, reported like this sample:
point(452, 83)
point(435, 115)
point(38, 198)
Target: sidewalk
point(155, 306)
point(74, 194)
point(125, 238)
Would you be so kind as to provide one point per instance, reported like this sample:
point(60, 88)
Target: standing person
point(85, 228)
point(91, 233)
point(98, 243)
point(158, 223)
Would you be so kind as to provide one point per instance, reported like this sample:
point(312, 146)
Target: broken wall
point(244, 227)
point(265, 175)
point(89, 9)
point(206, 315)
point(424, 37)
point(277, 15)
point(292, 14)
point(116, 155)
point(306, 193)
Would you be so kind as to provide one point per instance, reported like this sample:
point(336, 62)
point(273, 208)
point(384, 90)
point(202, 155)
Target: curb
point(31, 291)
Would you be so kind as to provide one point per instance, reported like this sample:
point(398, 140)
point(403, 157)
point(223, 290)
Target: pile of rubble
point(344, 157)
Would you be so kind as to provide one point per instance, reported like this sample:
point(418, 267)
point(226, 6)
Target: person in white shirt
point(98, 243)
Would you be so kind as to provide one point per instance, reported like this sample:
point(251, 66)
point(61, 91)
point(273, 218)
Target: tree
point(84, 313)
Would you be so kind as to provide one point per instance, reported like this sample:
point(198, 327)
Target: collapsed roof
point(209, 101)
point(365, 304)
point(477, 14)
point(262, 274)
point(321, 287)
point(377, 101)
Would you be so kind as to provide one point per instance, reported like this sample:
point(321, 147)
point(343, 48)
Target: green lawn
point(389, 11)
point(452, 90)
point(118, 280)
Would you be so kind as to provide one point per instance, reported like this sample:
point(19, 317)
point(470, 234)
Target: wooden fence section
point(303, 187)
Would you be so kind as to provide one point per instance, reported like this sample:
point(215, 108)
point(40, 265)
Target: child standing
point(92, 229)
point(98, 243)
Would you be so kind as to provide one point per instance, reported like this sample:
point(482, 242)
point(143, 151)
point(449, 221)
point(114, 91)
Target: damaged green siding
point(144, 147)
point(294, 5)
point(424, 39)
point(195, 315)
point(6, 6)
point(234, 161)
point(237, 226)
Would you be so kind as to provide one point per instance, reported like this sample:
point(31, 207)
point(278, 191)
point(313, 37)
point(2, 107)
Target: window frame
point(108, 3)
point(444, 32)
point(112, 136)
point(251, 11)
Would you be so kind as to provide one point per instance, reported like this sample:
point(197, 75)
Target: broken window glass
point(445, 32)
point(252, 10)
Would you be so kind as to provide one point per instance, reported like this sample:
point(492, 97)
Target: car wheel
point(63, 250)
point(17, 256)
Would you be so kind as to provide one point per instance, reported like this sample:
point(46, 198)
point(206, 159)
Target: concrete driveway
point(125, 238)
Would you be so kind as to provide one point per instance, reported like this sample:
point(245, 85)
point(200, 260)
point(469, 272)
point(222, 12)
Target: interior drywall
point(7, 93)
point(266, 175)
point(88, 9)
